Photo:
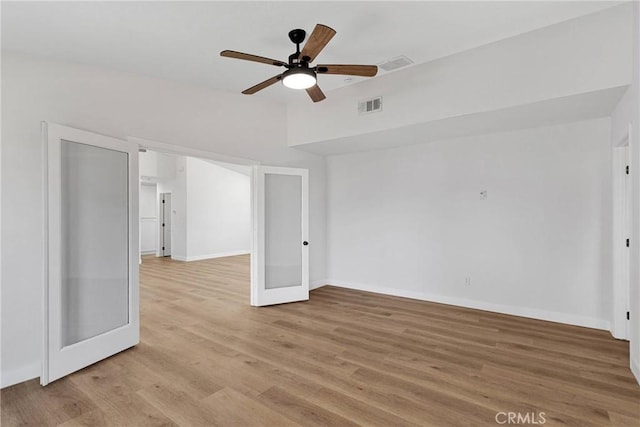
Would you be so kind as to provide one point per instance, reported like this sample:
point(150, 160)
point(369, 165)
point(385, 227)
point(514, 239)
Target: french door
point(280, 261)
point(91, 250)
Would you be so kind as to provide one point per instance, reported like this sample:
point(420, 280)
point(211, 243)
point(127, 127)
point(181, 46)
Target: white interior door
point(91, 282)
point(148, 219)
point(280, 261)
point(627, 221)
point(166, 224)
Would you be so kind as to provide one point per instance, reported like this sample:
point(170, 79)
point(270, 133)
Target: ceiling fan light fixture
point(299, 78)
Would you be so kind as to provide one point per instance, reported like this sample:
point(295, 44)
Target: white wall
point(583, 55)
point(217, 209)
point(166, 166)
point(147, 164)
point(409, 221)
point(120, 105)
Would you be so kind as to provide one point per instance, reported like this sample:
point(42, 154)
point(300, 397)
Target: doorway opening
point(278, 210)
point(199, 209)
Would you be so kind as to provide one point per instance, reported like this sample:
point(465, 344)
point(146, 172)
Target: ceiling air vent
point(395, 63)
point(370, 105)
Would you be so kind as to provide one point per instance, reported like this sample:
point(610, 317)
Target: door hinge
point(627, 315)
point(163, 224)
point(627, 242)
point(163, 248)
point(626, 170)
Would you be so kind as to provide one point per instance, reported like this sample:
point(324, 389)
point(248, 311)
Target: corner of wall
point(316, 284)
point(15, 376)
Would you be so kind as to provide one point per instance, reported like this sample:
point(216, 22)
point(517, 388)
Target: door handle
point(305, 243)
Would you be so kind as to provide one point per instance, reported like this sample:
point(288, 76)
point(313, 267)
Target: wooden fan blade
point(315, 93)
point(348, 70)
point(317, 41)
point(264, 84)
point(254, 58)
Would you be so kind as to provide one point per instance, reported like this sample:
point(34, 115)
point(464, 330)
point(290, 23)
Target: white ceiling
point(181, 40)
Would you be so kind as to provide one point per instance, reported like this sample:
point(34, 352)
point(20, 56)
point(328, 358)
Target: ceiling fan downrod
point(296, 36)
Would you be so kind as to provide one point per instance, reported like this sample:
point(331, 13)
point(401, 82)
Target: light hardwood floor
point(343, 358)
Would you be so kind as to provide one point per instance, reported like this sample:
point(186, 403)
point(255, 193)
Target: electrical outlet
point(467, 281)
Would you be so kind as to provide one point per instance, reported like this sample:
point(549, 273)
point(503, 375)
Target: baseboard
point(209, 256)
point(616, 333)
point(317, 284)
point(635, 368)
point(19, 375)
point(151, 252)
point(532, 313)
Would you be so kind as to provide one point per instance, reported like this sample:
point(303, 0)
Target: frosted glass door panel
point(94, 231)
point(283, 231)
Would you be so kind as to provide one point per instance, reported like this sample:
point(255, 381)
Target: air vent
point(395, 63)
point(370, 105)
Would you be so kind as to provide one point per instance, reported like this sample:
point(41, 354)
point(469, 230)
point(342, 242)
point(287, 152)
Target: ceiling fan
point(299, 74)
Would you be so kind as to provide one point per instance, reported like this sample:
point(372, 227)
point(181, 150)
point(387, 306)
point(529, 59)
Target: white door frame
point(622, 200)
point(68, 359)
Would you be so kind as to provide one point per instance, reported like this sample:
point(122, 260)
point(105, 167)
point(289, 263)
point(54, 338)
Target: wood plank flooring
point(344, 358)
